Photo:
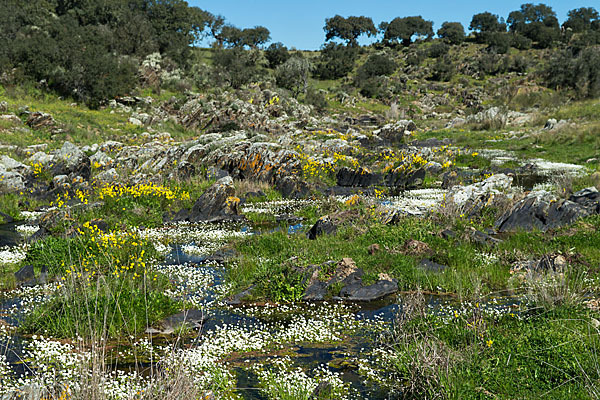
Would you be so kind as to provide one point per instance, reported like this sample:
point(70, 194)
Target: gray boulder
point(71, 160)
point(543, 211)
point(218, 203)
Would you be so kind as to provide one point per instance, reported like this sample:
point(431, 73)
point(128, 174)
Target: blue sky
point(300, 24)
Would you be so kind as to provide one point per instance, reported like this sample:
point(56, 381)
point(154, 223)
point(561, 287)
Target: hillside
point(417, 218)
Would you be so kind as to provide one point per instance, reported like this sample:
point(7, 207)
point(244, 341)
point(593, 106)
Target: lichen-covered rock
point(543, 211)
point(218, 203)
point(70, 160)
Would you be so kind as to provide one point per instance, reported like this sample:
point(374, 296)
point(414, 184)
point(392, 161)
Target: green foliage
point(452, 32)
point(370, 77)
point(316, 98)
point(293, 74)
point(276, 54)
point(579, 72)
point(336, 61)
point(348, 29)
point(438, 49)
point(487, 22)
point(405, 28)
point(535, 22)
point(112, 308)
point(84, 49)
point(443, 70)
point(581, 19)
point(236, 66)
point(513, 356)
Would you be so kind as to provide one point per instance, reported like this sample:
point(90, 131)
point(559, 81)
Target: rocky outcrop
point(323, 226)
point(218, 203)
point(71, 160)
point(543, 211)
point(396, 132)
point(470, 200)
point(360, 177)
point(349, 277)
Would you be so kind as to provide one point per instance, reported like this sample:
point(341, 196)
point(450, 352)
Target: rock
point(397, 131)
point(3, 106)
point(238, 298)
point(5, 218)
point(402, 179)
point(189, 319)
point(492, 116)
point(482, 237)
point(372, 249)
point(361, 177)
point(12, 118)
point(324, 390)
point(550, 124)
point(11, 181)
point(61, 182)
point(108, 176)
point(588, 198)
point(13, 165)
point(40, 120)
point(100, 159)
point(431, 266)
point(216, 173)
point(218, 203)
point(456, 123)
point(135, 121)
point(349, 276)
point(433, 167)
point(26, 273)
point(41, 158)
point(447, 234)
point(355, 291)
point(542, 211)
point(547, 263)
point(461, 195)
point(292, 187)
point(416, 247)
point(70, 160)
point(323, 226)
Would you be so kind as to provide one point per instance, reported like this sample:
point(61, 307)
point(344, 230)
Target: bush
point(437, 50)
point(276, 54)
point(293, 74)
point(520, 42)
point(370, 77)
point(317, 99)
point(580, 72)
point(336, 61)
point(443, 70)
point(237, 66)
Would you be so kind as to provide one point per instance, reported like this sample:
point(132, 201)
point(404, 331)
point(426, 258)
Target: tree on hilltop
point(405, 28)
point(348, 29)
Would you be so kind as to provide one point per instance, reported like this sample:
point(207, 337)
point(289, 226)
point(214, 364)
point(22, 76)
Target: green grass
point(472, 267)
point(539, 355)
point(106, 288)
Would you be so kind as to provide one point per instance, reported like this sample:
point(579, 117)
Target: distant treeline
point(92, 50)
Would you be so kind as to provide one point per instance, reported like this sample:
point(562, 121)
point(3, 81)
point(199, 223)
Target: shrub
point(336, 61)
point(237, 66)
point(443, 70)
point(276, 54)
point(580, 72)
point(316, 98)
point(293, 74)
point(370, 77)
point(437, 50)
